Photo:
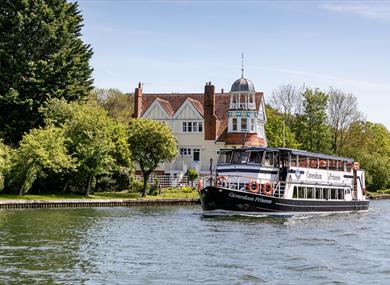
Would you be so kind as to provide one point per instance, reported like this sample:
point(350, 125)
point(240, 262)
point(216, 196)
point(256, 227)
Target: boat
point(284, 182)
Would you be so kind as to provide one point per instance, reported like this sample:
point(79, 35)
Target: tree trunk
point(65, 186)
point(89, 182)
point(146, 177)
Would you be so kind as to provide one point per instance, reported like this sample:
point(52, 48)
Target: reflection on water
point(176, 245)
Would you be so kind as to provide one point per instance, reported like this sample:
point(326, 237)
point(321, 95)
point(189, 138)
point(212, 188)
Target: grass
point(385, 192)
point(99, 195)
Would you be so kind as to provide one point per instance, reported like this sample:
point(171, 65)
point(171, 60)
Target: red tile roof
point(171, 102)
point(167, 107)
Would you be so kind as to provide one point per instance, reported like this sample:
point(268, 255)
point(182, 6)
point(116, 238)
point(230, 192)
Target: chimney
point(138, 101)
point(210, 120)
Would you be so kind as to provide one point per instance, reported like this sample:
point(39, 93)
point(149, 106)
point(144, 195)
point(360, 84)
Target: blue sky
point(177, 46)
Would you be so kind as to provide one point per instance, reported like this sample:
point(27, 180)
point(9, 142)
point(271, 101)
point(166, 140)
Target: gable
point(187, 111)
point(156, 112)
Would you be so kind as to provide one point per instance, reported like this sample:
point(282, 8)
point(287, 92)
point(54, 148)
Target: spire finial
point(242, 64)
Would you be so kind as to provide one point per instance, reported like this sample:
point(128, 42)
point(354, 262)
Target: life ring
point(222, 182)
point(199, 184)
point(267, 189)
point(253, 186)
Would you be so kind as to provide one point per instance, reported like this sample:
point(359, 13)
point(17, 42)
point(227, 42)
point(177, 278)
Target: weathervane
point(242, 65)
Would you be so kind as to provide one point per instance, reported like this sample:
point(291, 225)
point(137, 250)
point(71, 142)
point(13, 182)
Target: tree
point(314, 131)
point(192, 175)
point(41, 56)
point(342, 112)
point(369, 143)
point(287, 100)
point(42, 151)
point(278, 134)
point(151, 142)
point(5, 156)
point(118, 105)
point(97, 142)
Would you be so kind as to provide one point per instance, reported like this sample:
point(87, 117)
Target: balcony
point(242, 106)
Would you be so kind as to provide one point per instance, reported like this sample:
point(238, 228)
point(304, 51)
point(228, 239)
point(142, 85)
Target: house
point(205, 123)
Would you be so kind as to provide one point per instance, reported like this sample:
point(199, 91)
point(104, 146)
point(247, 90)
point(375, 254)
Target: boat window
point(349, 166)
point(318, 194)
point(302, 161)
point(313, 162)
point(269, 159)
point(325, 193)
point(347, 191)
point(276, 159)
point(299, 192)
point(341, 194)
point(310, 193)
point(323, 164)
point(343, 167)
point(225, 157)
point(333, 194)
point(239, 157)
point(295, 192)
point(332, 164)
point(255, 157)
point(294, 159)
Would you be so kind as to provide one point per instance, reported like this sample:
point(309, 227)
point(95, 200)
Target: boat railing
point(265, 187)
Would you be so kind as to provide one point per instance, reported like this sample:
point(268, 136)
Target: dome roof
point(242, 85)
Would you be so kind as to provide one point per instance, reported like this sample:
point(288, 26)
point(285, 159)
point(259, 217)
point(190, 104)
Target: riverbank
point(89, 203)
point(101, 199)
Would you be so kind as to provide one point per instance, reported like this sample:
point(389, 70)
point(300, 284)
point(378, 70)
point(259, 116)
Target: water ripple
point(176, 245)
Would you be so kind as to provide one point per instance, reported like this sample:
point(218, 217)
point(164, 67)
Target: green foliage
point(154, 190)
point(369, 143)
point(118, 105)
point(186, 189)
point(42, 56)
point(192, 174)
point(41, 152)
point(5, 156)
point(136, 186)
point(314, 132)
point(278, 134)
point(97, 142)
point(151, 142)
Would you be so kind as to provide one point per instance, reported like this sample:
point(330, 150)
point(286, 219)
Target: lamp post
point(211, 167)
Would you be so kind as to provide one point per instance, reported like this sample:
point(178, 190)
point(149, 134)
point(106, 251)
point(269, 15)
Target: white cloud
point(373, 10)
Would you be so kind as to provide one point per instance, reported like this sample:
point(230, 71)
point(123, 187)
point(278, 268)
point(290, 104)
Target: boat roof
point(294, 152)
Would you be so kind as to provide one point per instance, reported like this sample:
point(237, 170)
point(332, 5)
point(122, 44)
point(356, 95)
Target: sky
point(178, 46)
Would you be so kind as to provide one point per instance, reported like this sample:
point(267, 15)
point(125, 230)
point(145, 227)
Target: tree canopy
point(277, 131)
point(151, 143)
point(41, 152)
point(96, 141)
point(41, 56)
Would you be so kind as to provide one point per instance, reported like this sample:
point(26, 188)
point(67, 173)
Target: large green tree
point(98, 143)
point(311, 127)
point(151, 143)
point(41, 56)
point(369, 143)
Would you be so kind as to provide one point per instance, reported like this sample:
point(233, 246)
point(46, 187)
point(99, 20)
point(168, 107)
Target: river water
point(176, 245)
